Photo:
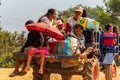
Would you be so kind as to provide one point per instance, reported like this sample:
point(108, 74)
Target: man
point(73, 20)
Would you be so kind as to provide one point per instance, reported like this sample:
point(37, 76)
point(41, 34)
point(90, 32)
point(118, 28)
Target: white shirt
point(80, 41)
point(71, 23)
point(46, 20)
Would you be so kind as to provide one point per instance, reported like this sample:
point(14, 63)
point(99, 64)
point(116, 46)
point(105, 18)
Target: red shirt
point(109, 41)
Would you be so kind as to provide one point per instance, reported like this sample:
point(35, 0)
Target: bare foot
point(26, 69)
point(40, 71)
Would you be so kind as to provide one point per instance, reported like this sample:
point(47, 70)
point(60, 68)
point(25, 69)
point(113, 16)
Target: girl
point(30, 41)
point(37, 39)
point(49, 17)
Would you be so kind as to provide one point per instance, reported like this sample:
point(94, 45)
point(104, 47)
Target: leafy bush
point(118, 62)
point(10, 43)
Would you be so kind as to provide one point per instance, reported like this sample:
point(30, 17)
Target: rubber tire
point(64, 77)
point(109, 71)
point(46, 77)
point(91, 70)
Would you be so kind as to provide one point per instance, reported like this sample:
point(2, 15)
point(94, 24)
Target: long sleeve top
point(80, 40)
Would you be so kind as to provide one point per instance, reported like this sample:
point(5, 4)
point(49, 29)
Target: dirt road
point(4, 72)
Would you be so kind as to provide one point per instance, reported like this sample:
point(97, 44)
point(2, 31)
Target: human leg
point(42, 53)
point(24, 65)
point(22, 72)
point(27, 68)
point(16, 70)
point(41, 65)
point(31, 52)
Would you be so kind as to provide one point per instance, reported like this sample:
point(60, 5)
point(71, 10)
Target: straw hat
point(79, 8)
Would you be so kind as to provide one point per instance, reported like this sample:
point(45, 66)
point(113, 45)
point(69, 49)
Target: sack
point(65, 47)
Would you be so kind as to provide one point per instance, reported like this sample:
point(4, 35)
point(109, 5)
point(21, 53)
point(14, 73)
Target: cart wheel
point(111, 71)
point(91, 70)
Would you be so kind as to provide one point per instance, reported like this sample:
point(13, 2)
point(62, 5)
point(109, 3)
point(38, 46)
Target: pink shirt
point(109, 41)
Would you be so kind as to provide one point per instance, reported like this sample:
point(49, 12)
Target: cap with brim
point(78, 25)
point(79, 8)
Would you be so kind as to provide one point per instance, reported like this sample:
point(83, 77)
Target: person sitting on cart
point(108, 40)
point(73, 20)
point(60, 25)
point(109, 33)
point(18, 63)
point(116, 31)
point(77, 33)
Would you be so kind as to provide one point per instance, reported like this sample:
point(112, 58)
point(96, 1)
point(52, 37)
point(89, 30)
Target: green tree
point(113, 7)
point(10, 43)
point(103, 15)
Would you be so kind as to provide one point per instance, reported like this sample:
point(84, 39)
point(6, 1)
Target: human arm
point(42, 39)
point(67, 29)
point(82, 42)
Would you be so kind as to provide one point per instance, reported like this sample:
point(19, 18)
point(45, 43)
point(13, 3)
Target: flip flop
point(40, 72)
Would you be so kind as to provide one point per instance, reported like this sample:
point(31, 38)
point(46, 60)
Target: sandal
point(22, 73)
point(26, 69)
point(13, 74)
point(40, 71)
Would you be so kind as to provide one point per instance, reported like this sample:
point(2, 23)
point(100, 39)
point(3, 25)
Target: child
point(60, 25)
point(109, 33)
point(38, 40)
point(77, 32)
point(28, 43)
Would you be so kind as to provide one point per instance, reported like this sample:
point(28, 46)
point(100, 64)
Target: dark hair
point(49, 12)
point(84, 13)
point(108, 26)
point(39, 20)
point(29, 22)
point(78, 25)
point(60, 19)
point(33, 38)
point(115, 28)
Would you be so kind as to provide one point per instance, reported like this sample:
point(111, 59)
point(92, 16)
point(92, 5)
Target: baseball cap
point(78, 25)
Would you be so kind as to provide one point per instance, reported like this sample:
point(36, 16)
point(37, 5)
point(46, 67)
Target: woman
point(49, 17)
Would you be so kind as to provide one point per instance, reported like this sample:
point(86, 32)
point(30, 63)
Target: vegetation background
point(12, 42)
